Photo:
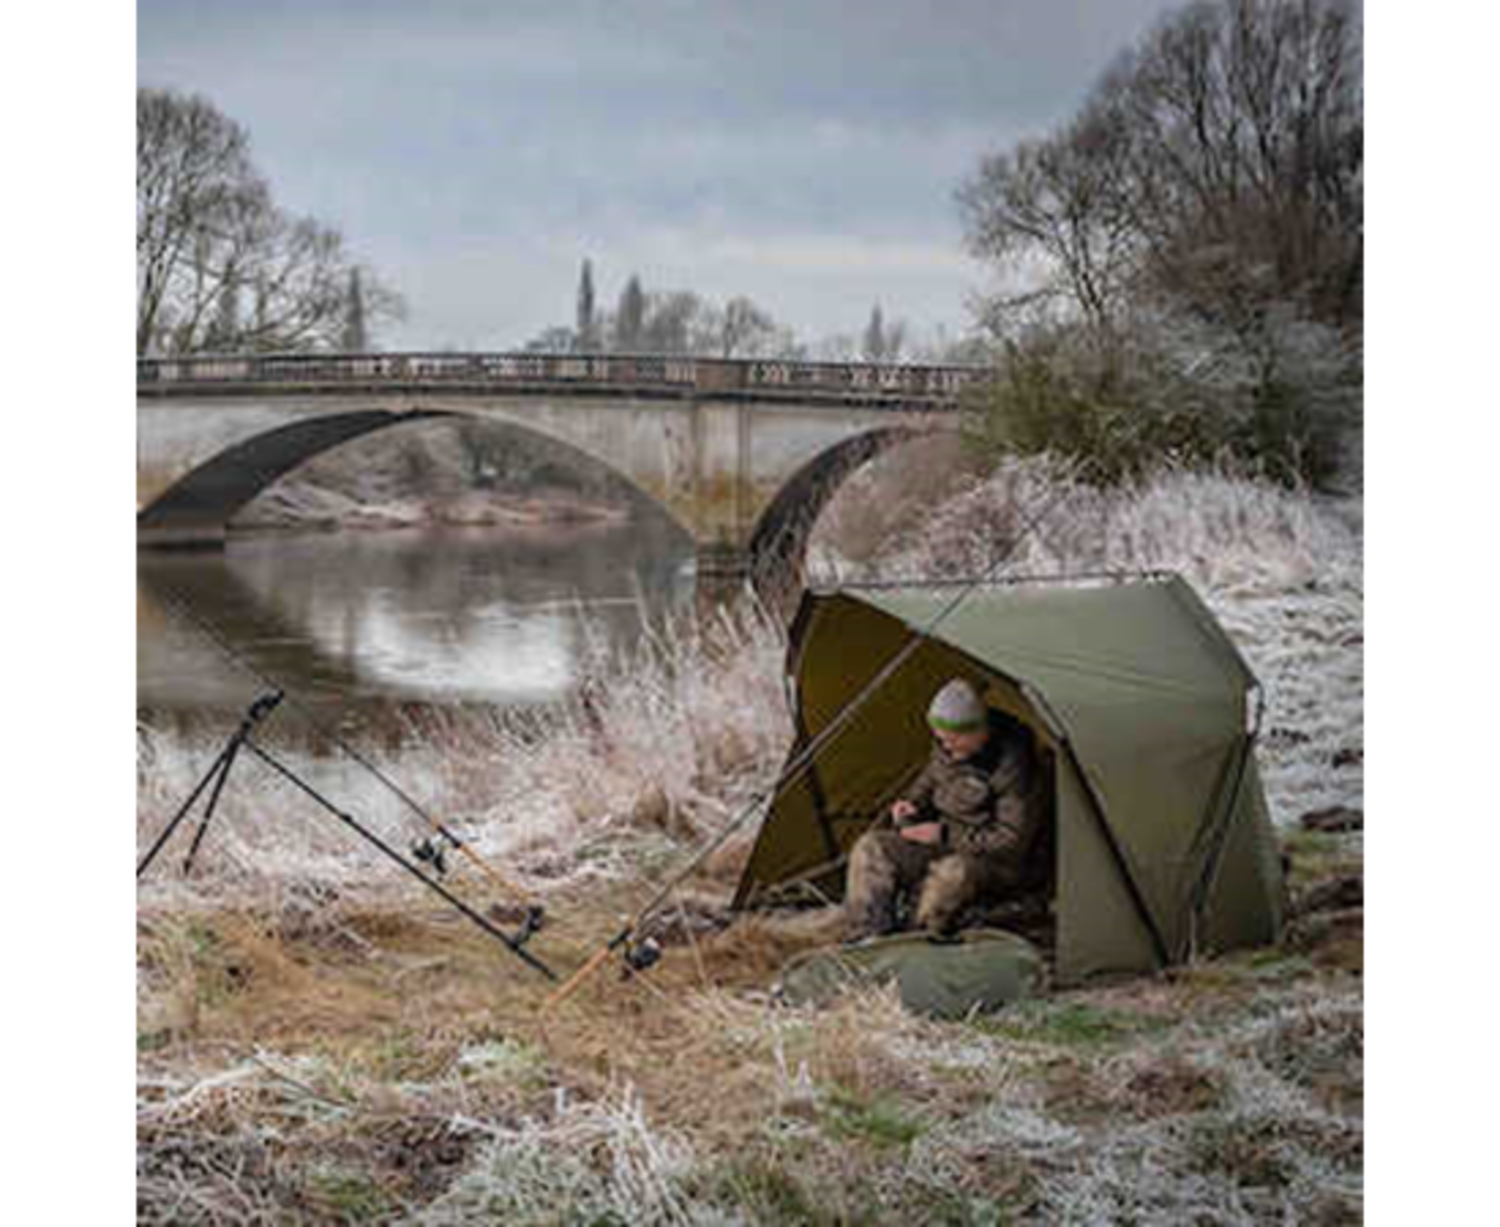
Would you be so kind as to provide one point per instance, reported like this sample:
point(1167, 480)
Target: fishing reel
point(640, 957)
point(533, 918)
point(264, 706)
point(531, 923)
point(430, 854)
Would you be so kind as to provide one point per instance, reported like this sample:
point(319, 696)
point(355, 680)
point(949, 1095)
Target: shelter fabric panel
point(1246, 904)
point(1099, 929)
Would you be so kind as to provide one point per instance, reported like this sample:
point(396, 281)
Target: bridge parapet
point(755, 379)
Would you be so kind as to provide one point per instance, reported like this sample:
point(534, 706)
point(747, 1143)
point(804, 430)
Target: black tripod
point(219, 772)
point(216, 775)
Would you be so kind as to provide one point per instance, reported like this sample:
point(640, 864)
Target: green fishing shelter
point(1145, 716)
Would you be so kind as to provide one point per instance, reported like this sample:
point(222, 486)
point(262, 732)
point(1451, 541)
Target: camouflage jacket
point(988, 804)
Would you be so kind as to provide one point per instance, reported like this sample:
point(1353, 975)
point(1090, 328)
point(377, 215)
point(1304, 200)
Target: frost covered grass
point(656, 748)
point(1222, 530)
point(684, 1105)
point(320, 1042)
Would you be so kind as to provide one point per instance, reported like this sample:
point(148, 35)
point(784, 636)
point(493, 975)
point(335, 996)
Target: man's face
point(961, 745)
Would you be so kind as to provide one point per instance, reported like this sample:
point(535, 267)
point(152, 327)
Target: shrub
point(1276, 395)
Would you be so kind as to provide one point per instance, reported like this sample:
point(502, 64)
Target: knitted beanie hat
point(957, 708)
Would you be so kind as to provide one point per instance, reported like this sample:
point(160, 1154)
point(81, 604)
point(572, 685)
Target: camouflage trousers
point(884, 868)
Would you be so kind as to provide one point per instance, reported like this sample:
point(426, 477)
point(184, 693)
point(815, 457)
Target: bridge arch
point(199, 505)
point(778, 545)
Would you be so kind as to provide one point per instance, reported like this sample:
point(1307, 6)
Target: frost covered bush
point(1277, 394)
point(1220, 528)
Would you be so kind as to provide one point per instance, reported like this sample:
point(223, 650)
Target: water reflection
point(440, 615)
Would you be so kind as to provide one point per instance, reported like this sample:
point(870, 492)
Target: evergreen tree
point(354, 338)
point(630, 316)
point(587, 323)
point(873, 347)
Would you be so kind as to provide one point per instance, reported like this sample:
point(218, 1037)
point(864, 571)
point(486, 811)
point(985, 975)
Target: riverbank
point(317, 1042)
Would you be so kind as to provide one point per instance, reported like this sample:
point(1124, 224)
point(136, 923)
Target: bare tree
point(882, 341)
point(193, 172)
point(746, 330)
point(355, 339)
point(674, 322)
point(206, 225)
point(1220, 164)
point(1048, 214)
point(1246, 152)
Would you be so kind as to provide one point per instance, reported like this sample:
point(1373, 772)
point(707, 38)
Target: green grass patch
point(349, 1197)
point(879, 1121)
point(1071, 1024)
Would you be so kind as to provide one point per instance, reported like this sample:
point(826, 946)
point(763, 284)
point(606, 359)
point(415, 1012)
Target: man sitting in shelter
point(966, 831)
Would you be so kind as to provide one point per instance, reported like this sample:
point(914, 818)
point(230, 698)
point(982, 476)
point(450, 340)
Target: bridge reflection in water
point(354, 622)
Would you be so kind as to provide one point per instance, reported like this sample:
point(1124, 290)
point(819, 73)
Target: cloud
point(809, 147)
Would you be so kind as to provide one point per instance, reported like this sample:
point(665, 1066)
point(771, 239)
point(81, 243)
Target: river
point(354, 621)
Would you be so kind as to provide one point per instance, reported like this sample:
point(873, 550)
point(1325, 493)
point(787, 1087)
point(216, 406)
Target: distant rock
point(1334, 820)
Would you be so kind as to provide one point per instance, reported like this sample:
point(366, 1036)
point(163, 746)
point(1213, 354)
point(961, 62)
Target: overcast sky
point(804, 153)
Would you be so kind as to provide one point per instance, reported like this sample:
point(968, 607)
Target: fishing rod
point(516, 943)
point(533, 916)
point(219, 772)
point(428, 851)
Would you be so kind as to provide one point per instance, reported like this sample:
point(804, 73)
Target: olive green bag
point(977, 973)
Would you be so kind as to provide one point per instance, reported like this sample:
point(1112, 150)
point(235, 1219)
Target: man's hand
point(923, 833)
point(902, 809)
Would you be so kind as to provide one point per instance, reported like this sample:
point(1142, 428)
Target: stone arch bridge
point(743, 454)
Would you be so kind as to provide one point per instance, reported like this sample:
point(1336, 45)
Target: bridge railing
point(615, 372)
